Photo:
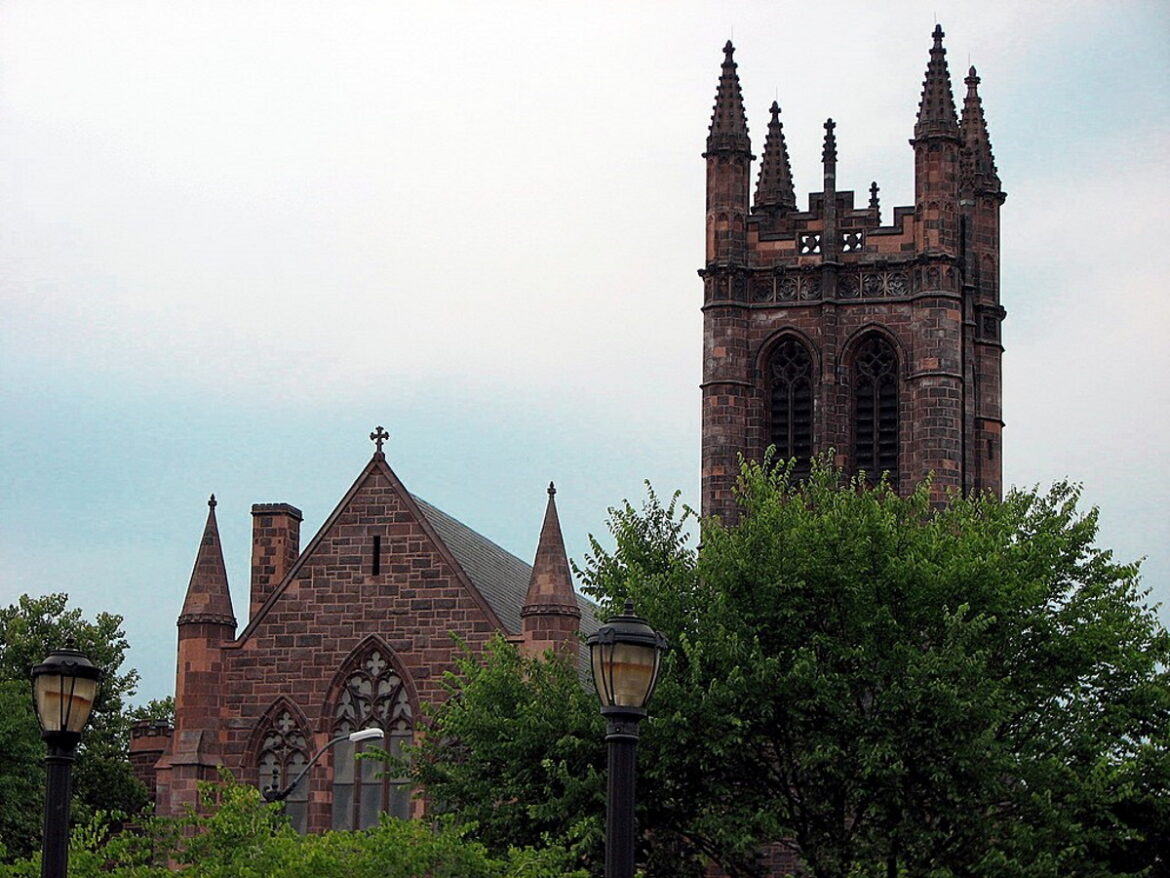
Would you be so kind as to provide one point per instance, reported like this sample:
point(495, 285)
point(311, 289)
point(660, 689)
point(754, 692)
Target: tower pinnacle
point(829, 152)
point(774, 188)
point(936, 111)
point(979, 171)
point(728, 132)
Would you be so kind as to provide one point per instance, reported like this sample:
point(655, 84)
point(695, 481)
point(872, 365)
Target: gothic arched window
point(875, 408)
point(790, 374)
point(283, 754)
point(373, 696)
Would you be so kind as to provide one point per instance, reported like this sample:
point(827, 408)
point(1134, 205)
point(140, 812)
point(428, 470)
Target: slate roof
point(500, 576)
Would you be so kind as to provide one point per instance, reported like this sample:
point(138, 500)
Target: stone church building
point(831, 326)
point(354, 631)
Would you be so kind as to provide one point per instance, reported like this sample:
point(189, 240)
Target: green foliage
point(22, 779)
point(236, 835)
point(156, 710)
point(103, 781)
point(689, 812)
point(969, 689)
point(34, 626)
point(516, 754)
point(959, 690)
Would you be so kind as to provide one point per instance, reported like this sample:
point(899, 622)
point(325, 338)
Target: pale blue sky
point(237, 236)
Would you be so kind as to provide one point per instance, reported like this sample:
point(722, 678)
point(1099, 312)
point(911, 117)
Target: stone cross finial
point(379, 436)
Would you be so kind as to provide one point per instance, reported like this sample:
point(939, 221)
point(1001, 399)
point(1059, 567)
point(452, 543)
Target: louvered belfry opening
point(875, 409)
point(791, 374)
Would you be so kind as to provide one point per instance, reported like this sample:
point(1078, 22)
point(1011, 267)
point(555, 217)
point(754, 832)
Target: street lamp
point(626, 654)
point(65, 686)
point(272, 794)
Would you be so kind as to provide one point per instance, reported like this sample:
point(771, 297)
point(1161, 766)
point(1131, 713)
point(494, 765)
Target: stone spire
point(550, 616)
point(936, 111)
point(208, 599)
point(774, 189)
point(980, 173)
point(728, 132)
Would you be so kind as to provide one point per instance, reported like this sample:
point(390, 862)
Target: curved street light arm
point(272, 794)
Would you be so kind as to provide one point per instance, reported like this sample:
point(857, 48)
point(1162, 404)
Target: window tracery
point(791, 403)
point(283, 755)
point(373, 696)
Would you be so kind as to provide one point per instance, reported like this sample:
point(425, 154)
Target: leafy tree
point(517, 749)
point(155, 710)
point(517, 752)
point(966, 689)
point(888, 686)
point(22, 779)
point(29, 630)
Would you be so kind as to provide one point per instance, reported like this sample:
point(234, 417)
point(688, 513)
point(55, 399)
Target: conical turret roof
point(936, 111)
point(728, 131)
point(208, 598)
point(983, 176)
point(550, 590)
point(774, 188)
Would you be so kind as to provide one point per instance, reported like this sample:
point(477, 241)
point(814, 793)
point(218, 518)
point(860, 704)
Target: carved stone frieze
point(873, 284)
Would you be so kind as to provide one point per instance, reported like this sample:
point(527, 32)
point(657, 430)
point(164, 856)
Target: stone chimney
point(276, 545)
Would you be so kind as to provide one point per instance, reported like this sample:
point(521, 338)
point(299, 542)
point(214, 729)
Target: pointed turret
point(936, 111)
point(728, 132)
point(206, 623)
point(936, 160)
point(980, 174)
point(729, 158)
point(208, 599)
point(774, 190)
point(980, 201)
point(550, 616)
point(726, 369)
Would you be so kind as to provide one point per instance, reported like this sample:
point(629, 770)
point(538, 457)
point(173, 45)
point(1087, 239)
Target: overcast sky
point(237, 236)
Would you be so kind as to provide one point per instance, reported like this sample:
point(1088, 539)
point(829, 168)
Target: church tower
point(825, 328)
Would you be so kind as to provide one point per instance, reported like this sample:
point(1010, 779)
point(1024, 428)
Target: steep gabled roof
point(500, 576)
point(497, 578)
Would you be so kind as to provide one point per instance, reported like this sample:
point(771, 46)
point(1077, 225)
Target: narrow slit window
point(376, 563)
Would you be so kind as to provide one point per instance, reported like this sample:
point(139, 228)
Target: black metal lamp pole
point(65, 686)
point(626, 654)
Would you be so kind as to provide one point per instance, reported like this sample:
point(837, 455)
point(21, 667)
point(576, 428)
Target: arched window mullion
point(791, 403)
point(875, 408)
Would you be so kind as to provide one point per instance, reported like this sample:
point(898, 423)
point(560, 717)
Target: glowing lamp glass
point(65, 687)
point(625, 654)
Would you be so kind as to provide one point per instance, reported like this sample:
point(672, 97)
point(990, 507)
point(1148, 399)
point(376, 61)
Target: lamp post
point(273, 794)
point(626, 654)
point(65, 686)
